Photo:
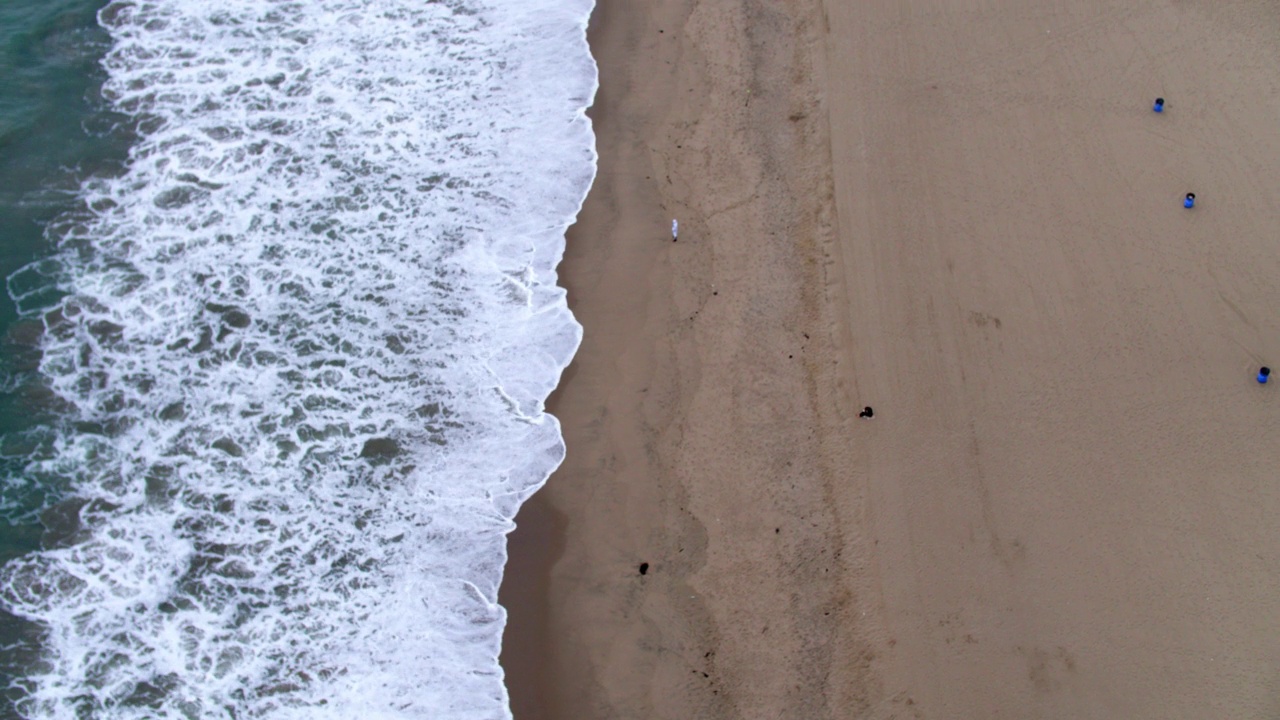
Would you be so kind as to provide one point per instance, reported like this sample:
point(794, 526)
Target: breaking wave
point(298, 351)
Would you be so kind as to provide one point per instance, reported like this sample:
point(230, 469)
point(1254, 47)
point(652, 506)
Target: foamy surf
point(303, 350)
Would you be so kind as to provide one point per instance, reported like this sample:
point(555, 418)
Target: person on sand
point(675, 229)
point(867, 413)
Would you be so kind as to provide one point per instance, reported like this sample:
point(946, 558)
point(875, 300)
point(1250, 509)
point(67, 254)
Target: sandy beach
point(965, 214)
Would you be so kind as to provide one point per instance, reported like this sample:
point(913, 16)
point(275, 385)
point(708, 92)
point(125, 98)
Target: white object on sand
point(675, 228)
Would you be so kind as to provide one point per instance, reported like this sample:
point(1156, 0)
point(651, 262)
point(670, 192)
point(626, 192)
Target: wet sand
point(965, 215)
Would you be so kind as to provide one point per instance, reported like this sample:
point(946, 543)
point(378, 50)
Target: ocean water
point(53, 129)
point(277, 368)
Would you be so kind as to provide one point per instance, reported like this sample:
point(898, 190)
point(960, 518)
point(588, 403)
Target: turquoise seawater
point(272, 390)
point(53, 132)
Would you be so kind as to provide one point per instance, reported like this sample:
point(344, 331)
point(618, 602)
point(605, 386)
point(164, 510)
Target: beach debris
point(644, 568)
point(1264, 374)
point(1190, 201)
point(1159, 105)
point(675, 229)
point(867, 413)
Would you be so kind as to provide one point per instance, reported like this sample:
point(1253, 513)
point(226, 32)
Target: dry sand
point(964, 214)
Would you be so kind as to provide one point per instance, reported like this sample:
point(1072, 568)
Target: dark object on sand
point(644, 568)
point(867, 412)
point(1264, 373)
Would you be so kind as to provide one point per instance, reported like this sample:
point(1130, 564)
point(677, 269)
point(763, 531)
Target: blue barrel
point(1190, 201)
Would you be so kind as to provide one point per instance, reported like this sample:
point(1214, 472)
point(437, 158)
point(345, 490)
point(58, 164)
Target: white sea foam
point(304, 351)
